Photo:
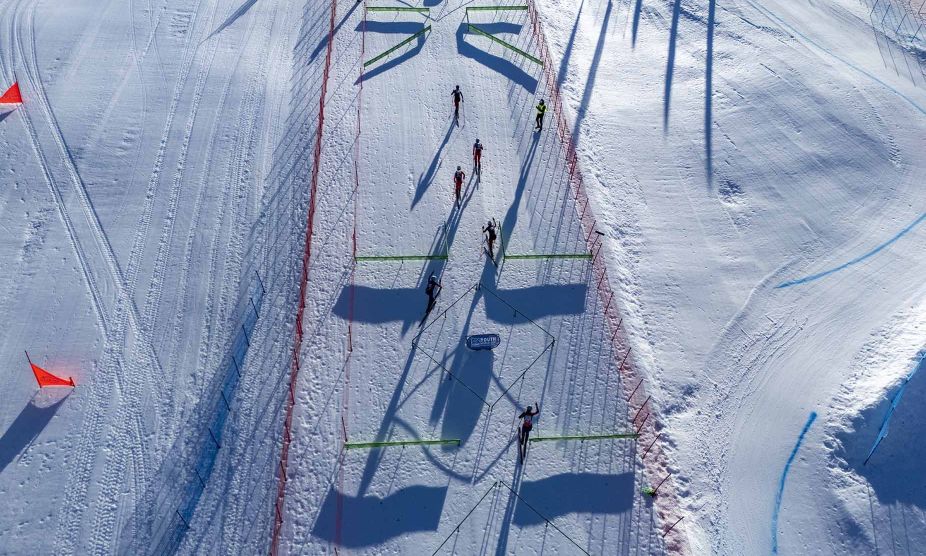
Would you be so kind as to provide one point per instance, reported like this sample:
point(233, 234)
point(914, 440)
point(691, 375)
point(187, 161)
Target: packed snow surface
point(758, 179)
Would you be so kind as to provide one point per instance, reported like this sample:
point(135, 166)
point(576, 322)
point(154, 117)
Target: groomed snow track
point(358, 328)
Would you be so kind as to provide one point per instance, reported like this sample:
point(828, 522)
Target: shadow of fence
point(179, 483)
point(903, 36)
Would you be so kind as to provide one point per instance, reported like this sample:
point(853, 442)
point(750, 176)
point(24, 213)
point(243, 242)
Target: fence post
point(217, 445)
point(624, 360)
point(261, 282)
point(246, 339)
point(637, 414)
point(630, 397)
point(646, 451)
point(643, 422)
point(673, 526)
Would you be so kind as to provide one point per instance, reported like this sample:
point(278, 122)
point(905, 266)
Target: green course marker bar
point(397, 9)
point(583, 437)
point(495, 8)
point(357, 445)
point(503, 43)
point(402, 258)
point(552, 256)
point(398, 46)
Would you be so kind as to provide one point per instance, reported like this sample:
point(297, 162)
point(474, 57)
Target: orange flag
point(12, 95)
point(45, 378)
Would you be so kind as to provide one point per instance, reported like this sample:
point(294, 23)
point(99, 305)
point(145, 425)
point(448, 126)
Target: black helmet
point(458, 168)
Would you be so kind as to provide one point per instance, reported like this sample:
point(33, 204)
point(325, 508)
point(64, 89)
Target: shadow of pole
point(708, 96)
point(427, 178)
point(511, 217)
point(636, 23)
point(502, 546)
point(385, 425)
point(27, 426)
point(670, 65)
point(323, 44)
point(564, 64)
point(592, 72)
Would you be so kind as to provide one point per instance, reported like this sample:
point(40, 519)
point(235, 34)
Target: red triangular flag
point(45, 378)
point(12, 96)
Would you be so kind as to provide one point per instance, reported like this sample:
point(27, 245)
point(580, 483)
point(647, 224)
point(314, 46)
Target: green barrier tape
point(495, 8)
point(401, 258)
point(552, 256)
point(398, 46)
point(505, 44)
point(581, 437)
point(397, 9)
point(353, 445)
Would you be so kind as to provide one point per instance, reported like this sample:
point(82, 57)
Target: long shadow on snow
point(501, 546)
point(493, 62)
point(591, 493)
point(427, 178)
point(511, 217)
point(670, 65)
point(323, 44)
point(400, 27)
point(637, 8)
point(567, 54)
point(900, 457)
point(371, 520)
point(27, 426)
point(708, 95)
point(592, 72)
point(243, 9)
point(381, 305)
point(456, 406)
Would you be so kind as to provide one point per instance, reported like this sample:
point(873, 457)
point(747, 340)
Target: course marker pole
point(397, 9)
point(396, 47)
point(495, 8)
point(369, 258)
point(357, 445)
point(583, 437)
point(472, 27)
point(551, 256)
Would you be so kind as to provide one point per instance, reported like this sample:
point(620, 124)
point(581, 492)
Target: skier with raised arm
point(527, 423)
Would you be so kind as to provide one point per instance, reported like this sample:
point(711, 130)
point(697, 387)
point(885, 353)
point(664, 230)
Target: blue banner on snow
point(483, 341)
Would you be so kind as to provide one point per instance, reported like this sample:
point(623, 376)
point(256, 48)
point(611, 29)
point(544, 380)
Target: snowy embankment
point(760, 169)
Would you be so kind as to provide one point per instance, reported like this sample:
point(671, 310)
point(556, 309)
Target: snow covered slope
point(373, 371)
point(756, 169)
point(132, 179)
point(762, 168)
